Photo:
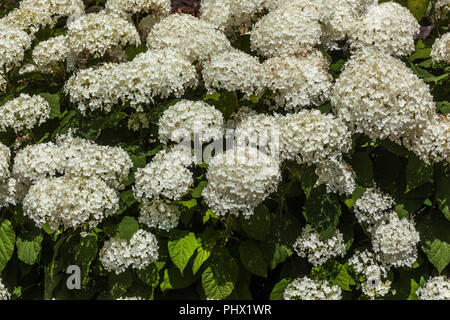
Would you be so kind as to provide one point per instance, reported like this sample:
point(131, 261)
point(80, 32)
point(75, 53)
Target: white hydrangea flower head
point(239, 116)
point(179, 153)
point(433, 144)
point(155, 73)
point(4, 293)
point(188, 118)
point(119, 254)
point(310, 136)
point(373, 207)
point(84, 158)
point(5, 156)
point(239, 180)
point(88, 33)
point(379, 96)
point(24, 112)
point(51, 51)
point(261, 131)
point(299, 81)
point(35, 14)
point(341, 23)
point(234, 71)
point(126, 7)
point(163, 177)
point(146, 24)
point(229, 15)
point(291, 29)
point(440, 51)
point(305, 288)
point(374, 272)
point(38, 161)
point(317, 250)
point(195, 38)
point(338, 176)
point(388, 27)
point(436, 288)
point(12, 191)
point(70, 202)
point(159, 214)
point(395, 241)
point(13, 44)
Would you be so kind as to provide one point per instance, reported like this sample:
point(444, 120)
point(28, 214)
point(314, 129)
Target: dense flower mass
point(388, 27)
point(189, 119)
point(159, 214)
point(373, 207)
point(124, 7)
point(290, 29)
point(436, 288)
point(378, 95)
point(234, 71)
point(196, 39)
point(13, 44)
point(5, 155)
point(298, 81)
point(312, 137)
point(51, 51)
point(140, 251)
point(151, 74)
point(338, 176)
point(433, 144)
point(70, 202)
point(366, 264)
point(308, 289)
point(395, 241)
point(441, 48)
point(317, 250)
point(24, 112)
point(239, 180)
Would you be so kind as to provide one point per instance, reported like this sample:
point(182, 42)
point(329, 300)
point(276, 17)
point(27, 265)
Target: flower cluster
point(70, 201)
point(395, 241)
point(298, 81)
point(24, 112)
point(196, 39)
point(13, 44)
point(159, 214)
point(126, 7)
point(140, 251)
point(310, 136)
point(441, 49)
point(239, 180)
point(51, 51)
point(373, 207)
point(388, 27)
point(150, 74)
point(338, 176)
point(373, 271)
point(88, 33)
point(308, 289)
point(234, 71)
point(5, 155)
point(188, 118)
point(316, 249)
point(378, 95)
point(436, 288)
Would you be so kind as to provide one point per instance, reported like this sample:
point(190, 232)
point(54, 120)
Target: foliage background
point(226, 257)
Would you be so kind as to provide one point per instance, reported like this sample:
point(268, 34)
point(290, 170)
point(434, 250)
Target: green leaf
point(173, 279)
point(278, 291)
point(85, 252)
point(322, 211)
point(28, 250)
point(206, 242)
point(197, 191)
point(363, 166)
point(252, 258)
point(417, 173)
point(418, 8)
point(149, 275)
point(226, 102)
point(219, 278)
point(53, 101)
point(7, 241)
point(127, 228)
point(127, 199)
point(435, 238)
point(257, 226)
point(189, 203)
point(443, 194)
point(119, 283)
point(443, 107)
point(182, 245)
